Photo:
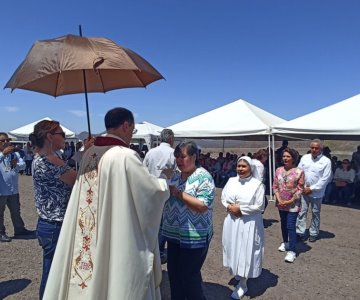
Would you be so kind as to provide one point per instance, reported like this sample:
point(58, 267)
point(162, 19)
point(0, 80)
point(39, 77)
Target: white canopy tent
point(340, 121)
point(22, 133)
point(236, 120)
point(147, 132)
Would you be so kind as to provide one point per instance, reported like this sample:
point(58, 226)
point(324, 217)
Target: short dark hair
point(293, 153)
point(348, 164)
point(191, 149)
point(118, 116)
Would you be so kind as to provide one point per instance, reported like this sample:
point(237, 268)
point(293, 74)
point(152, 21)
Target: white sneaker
point(283, 247)
point(239, 292)
point(290, 256)
point(240, 289)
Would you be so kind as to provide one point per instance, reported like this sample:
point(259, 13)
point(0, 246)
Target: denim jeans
point(288, 228)
point(28, 167)
point(48, 235)
point(184, 269)
point(315, 204)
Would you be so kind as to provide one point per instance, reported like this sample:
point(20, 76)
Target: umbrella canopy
point(55, 67)
point(75, 64)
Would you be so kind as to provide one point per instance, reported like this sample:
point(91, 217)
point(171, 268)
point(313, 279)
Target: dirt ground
point(326, 269)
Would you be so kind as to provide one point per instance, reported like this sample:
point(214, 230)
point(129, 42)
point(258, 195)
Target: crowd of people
point(93, 196)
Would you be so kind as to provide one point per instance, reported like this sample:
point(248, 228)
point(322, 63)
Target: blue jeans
point(288, 228)
point(184, 270)
point(314, 228)
point(48, 235)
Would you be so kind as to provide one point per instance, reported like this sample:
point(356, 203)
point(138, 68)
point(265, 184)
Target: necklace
point(285, 177)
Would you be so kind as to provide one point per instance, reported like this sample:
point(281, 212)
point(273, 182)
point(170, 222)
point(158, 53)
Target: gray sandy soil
point(326, 269)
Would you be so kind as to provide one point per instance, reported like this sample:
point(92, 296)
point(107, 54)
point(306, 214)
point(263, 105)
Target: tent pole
point(270, 168)
point(86, 96)
point(273, 154)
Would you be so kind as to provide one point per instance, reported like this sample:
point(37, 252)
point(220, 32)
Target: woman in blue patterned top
point(53, 181)
point(187, 223)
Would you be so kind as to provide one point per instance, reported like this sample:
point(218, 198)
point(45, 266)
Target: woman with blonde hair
point(53, 180)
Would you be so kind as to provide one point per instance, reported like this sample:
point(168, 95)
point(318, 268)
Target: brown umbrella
point(75, 64)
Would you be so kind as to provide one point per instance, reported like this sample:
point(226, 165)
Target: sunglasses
point(5, 140)
point(134, 131)
point(61, 133)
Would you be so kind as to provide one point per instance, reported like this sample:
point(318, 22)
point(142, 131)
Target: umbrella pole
point(87, 105)
point(86, 96)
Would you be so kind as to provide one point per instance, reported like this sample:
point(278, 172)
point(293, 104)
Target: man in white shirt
point(317, 170)
point(156, 160)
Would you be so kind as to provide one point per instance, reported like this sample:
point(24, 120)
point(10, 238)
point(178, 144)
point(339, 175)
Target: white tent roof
point(145, 129)
point(237, 119)
point(338, 121)
point(148, 132)
point(24, 131)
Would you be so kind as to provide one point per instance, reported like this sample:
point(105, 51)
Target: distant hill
point(84, 135)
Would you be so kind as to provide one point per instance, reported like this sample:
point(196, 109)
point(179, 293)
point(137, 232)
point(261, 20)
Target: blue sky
point(287, 57)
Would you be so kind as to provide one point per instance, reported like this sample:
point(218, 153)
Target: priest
point(108, 246)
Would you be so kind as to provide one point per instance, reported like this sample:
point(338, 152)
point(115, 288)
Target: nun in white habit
point(243, 231)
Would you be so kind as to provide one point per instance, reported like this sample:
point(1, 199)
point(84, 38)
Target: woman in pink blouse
point(288, 187)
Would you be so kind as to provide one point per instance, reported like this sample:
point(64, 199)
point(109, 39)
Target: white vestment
point(243, 238)
point(108, 245)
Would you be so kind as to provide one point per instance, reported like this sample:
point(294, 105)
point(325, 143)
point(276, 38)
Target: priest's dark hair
point(117, 116)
